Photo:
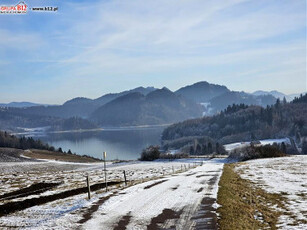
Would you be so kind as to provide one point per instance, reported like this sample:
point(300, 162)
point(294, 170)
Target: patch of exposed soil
point(200, 189)
point(154, 184)
point(167, 214)
point(89, 212)
point(123, 222)
point(205, 217)
point(31, 190)
point(198, 176)
point(213, 180)
point(21, 205)
point(191, 174)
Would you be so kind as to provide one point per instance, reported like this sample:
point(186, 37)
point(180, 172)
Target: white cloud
point(167, 37)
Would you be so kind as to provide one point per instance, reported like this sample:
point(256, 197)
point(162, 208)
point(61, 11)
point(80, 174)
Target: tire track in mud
point(123, 222)
point(154, 184)
point(206, 217)
point(31, 190)
point(200, 217)
point(87, 215)
point(21, 205)
point(166, 215)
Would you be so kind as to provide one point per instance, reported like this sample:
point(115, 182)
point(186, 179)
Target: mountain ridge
point(140, 106)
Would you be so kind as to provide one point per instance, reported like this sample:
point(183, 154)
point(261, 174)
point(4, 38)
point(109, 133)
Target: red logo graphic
point(20, 8)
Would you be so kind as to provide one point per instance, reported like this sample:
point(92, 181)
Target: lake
point(119, 143)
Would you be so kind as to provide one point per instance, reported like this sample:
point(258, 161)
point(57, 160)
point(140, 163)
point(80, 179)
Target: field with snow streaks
point(286, 176)
point(182, 192)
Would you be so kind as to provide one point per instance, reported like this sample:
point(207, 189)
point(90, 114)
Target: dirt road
point(182, 201)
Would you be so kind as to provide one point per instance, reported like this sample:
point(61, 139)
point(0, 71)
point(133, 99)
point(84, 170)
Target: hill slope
point(241, 123)
point(80, 106)
point(201, 91)
point(158, 107)
point(222, 101)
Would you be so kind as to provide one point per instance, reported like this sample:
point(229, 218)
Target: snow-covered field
point(232, 146)
point(287, 176)
point(181, 191)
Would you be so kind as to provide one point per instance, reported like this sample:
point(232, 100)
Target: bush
point(150, 153)
point(255, 152)
point(174, 156)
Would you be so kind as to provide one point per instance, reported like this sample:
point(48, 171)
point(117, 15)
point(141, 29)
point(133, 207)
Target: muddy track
point(205, 217)
point(21, 205)
point(123, 222)
point(200, 189)
point(185, 201)
point(87, 215)
point(191, 174)
point(167, 214)
point(31, 190)
point(154, 184)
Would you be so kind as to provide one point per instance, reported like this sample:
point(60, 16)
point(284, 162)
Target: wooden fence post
point(88, 187)
point(105, 169)
point(125, 177)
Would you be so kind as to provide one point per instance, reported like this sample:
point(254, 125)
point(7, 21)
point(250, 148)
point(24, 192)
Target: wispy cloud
point(211, 40)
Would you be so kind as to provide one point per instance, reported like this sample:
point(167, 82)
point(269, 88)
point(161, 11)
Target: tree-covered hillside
point(246, 123)
point(158, 107)
point(11, 141)
point(13, 119)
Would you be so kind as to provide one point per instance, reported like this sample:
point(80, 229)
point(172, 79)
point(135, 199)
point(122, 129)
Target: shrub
point(174, 156)
point(255, 152)
point(150, 153)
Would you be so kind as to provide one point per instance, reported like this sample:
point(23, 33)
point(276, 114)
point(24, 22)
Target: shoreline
point(115, 128)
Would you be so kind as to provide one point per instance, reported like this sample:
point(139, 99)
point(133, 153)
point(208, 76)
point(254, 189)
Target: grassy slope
point(48, 155)
point(241, 201)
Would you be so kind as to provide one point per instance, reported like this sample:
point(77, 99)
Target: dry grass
point(243, 206)
point(58, 156)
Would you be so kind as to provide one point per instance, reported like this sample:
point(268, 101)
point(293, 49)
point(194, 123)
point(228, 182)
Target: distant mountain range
point(23, 104)
point(276, 94)
point(160, 106)
point(139, 106)
point(201, 92)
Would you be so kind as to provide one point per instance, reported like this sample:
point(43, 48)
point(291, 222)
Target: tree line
point(247, 123)
point(11, 141)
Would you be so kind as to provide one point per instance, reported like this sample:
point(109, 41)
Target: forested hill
point(11, 141)
point(246, 123)
point(301, 99)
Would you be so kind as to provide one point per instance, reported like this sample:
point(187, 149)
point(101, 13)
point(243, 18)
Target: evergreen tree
point(210, 147)
point(304, 147)
point(283, 147)
point(198, 149)
point(191, 150)
point(204, 149)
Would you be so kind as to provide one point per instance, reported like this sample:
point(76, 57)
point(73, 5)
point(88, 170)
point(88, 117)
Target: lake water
point(123, 144)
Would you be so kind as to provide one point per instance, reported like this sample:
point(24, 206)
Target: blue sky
point(89, 48)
